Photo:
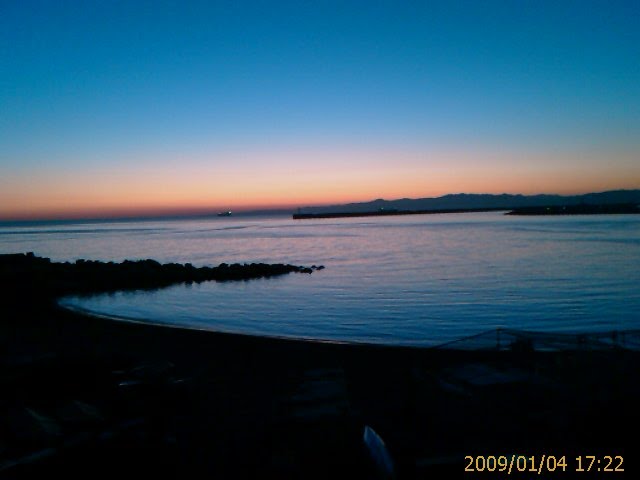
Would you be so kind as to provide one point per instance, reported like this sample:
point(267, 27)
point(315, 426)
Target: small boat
point(225, 214)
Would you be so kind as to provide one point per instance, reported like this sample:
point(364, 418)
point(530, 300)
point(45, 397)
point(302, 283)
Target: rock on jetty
point(29, 274)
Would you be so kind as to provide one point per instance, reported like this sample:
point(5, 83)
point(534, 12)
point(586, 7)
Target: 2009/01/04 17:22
point(543, 463)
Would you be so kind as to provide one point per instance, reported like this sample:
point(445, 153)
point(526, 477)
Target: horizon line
point(168, 213)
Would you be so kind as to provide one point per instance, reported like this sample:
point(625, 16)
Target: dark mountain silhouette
point(481, 201)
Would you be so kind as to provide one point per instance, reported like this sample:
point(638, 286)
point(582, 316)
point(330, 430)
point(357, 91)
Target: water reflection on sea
point(421, 279)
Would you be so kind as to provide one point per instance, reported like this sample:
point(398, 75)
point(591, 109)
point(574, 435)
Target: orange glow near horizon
point(296, 178)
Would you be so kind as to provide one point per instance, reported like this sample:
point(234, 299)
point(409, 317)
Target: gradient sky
point(117, 107)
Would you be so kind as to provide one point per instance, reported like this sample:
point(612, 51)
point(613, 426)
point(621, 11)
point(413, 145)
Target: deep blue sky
point(297, 89)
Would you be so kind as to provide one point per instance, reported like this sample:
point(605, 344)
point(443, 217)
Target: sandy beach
point(92, 396)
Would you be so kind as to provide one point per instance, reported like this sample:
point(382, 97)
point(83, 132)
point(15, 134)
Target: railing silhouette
point(507, 339)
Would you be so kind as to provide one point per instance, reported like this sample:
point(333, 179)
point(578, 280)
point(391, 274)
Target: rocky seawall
point(22, 274)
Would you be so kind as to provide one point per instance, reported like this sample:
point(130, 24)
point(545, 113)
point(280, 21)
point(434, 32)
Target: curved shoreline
point(190, 328)
point(570, 339)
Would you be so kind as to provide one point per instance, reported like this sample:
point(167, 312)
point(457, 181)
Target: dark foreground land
point(86, 397)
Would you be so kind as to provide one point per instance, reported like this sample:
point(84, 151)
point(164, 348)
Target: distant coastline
point(465, 202)
point(615, 209)
point(387, 213)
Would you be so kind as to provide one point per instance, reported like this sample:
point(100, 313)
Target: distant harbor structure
point(609, 202)
point(388, 212)
point(582, 209)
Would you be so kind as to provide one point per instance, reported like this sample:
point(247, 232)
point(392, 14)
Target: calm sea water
point(420, 280)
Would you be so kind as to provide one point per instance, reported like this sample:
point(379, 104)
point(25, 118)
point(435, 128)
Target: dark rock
point(26, 275)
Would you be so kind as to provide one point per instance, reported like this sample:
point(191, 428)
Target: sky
point(141, 107)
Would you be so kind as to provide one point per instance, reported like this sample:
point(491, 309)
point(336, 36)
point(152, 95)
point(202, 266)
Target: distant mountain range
point(473, 201)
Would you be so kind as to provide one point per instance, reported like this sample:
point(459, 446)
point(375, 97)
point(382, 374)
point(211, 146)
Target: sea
point(418, 280)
